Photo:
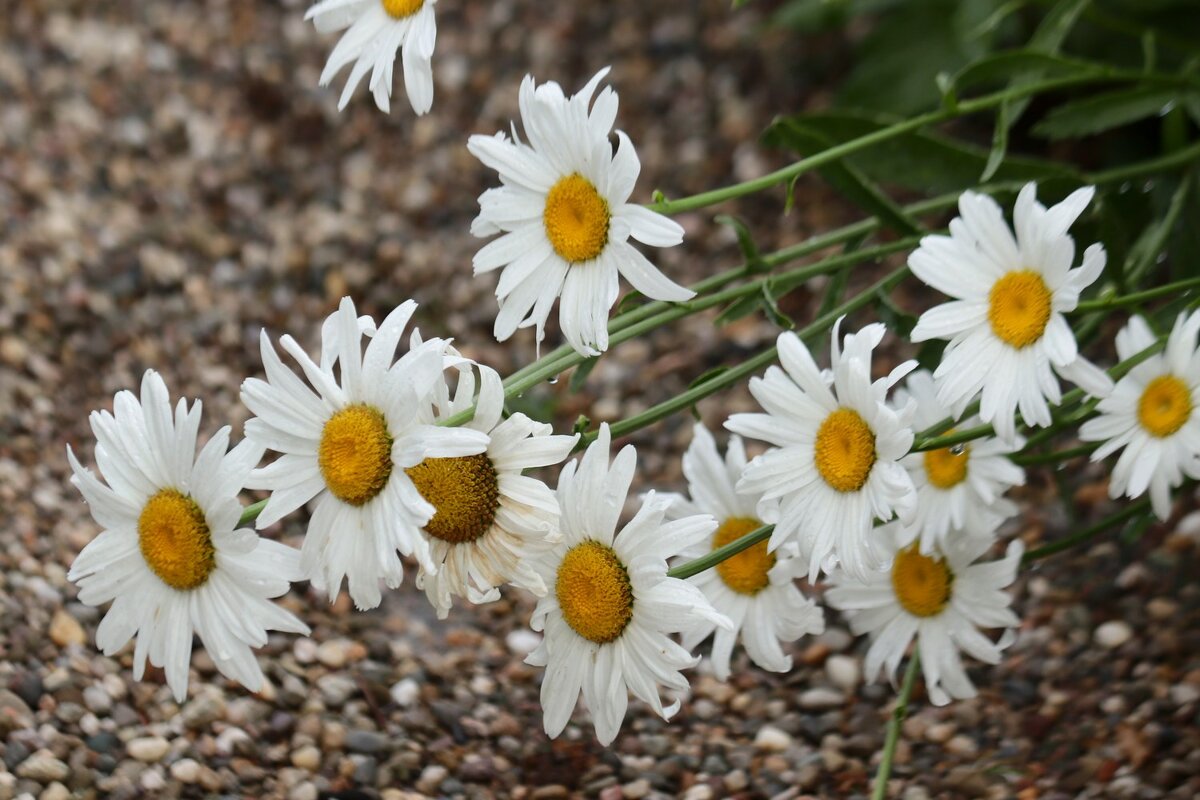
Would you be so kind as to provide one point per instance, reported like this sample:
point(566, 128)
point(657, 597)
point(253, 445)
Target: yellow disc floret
point(1165, 405)
point(922, 584)
point(465, 493)
point(946, 467)
point(845, 450)
point(1019, 308)
point(594, 592)
point(576, 219)
point(175, 541)
point(746, 572)
point(399, 9)
point(355, 454)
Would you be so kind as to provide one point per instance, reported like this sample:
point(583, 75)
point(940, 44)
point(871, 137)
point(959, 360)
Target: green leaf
point(897, 319)
point(776, 316)
point(793, 133)
point(707, 376)
point(1001, 68)
point(1048, 40)
point(742, 307)
point(582, 423)
point(1102, 112)
point(745, 242)
point(925, 162)
point(580, 375)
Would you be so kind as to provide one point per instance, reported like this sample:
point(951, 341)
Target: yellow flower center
point(175, 541)
point(1019, 308)
point(845, 450)
point(745, 573)
point(576, 219)
point(946, 467)
point(399, 9)
point(922, 584)
point(594, 592)
point(465, 492)
point(1165, 405)
point(355, 454)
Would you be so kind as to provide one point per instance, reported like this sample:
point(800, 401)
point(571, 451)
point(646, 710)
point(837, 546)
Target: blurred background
point(172, 181)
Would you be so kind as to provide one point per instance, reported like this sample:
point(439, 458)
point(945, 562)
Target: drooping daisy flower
point(754, 588)
point(941, 598)
point(171, 557)
point(959, 488)
point(837, 466)
point(490, 521)
point(346, 442)
point(1006, 329)
point(1153, 415)
point(564, 214)
point(377, 29)
point(608, 618)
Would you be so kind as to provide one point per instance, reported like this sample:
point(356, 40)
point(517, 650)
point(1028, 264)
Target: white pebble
point(148, 749)
point(406, 692)
point(772, 739)
point(522, 641)
point(843, 671)
point(1113, 634)
point(186, 770)
point(821, 699)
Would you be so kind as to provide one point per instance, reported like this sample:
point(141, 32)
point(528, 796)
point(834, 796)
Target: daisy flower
point(608, 620)
point(1153, 415)
point(346, 443)
point(837, 463)
point(959, 488)
point(490, 519)
point(375, 30)
point(754, 588)
point(1006, 330)
point(564, 214)
point(941, 598)
point(171, 557)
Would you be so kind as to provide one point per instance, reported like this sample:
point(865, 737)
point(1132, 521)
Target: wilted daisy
point(171, 557)
point(754, 588)
point(377, 29)
point(942, 598)
point(490, 519)
point(1006, 329)
point(1153, 415)
point(564, 214)
point(346, 442)
point(959, 488)
point(607, 621)
point(837, 466)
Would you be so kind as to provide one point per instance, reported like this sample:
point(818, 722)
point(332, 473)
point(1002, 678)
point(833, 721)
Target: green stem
point(709, 560)
point(1067, 542)
point(1108, 303)
point(1054, 457)
point(747, 367)
point(838, 152)
point(893, 729)
point(251, 512)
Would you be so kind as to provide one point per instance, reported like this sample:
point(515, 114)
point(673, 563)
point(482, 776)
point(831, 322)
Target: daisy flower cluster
point(883, 489)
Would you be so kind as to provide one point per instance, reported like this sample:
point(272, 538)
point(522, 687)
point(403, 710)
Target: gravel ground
point(171, 181)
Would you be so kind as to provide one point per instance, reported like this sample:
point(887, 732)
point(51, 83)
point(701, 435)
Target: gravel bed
point(172, 181)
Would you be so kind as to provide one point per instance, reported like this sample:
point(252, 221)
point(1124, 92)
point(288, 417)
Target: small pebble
point(405, 692)
point(844, 672)
point(148, 749)
point(772, 739)
point(821, 699)
point(1113, 634)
